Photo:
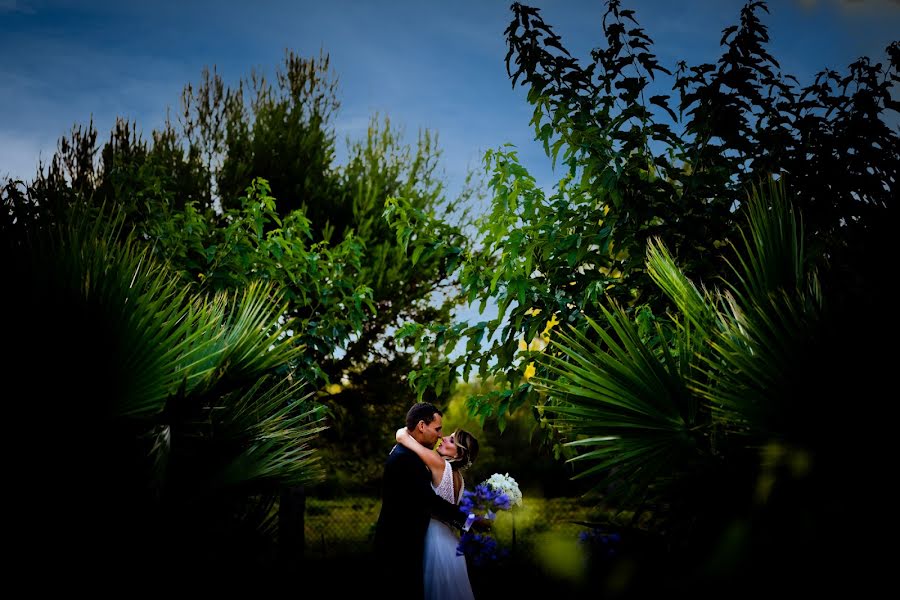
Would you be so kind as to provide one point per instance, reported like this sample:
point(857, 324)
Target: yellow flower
point(537, 343)
point(333, 388)
point(533, 312)
point(530, 371)
point(550, 325)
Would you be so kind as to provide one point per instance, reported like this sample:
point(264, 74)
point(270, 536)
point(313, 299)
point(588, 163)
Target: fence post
point(292, 526)
point(513, 512)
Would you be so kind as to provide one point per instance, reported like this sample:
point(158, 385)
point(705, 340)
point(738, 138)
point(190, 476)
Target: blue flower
point(484, 501)
point(480, 548)
point(600, 543)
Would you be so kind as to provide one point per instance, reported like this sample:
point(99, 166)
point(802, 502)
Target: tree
point(637, 170)
point(202, 194)
point(284, 134)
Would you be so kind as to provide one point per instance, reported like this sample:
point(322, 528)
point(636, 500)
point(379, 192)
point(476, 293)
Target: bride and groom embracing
point(417, 531)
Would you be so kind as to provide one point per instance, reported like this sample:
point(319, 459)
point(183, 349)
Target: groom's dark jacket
point(408, 503)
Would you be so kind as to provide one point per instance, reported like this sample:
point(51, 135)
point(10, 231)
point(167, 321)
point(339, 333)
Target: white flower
point(506, 485)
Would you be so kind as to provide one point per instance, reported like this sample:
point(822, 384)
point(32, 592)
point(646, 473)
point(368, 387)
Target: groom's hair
point(421, 411)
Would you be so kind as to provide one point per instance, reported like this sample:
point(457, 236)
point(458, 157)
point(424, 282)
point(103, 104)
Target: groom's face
point(432, 431)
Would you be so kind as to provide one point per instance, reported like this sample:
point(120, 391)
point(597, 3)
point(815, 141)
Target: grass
point(546, 555)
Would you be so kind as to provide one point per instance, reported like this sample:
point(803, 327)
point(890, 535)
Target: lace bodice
point(445, 488)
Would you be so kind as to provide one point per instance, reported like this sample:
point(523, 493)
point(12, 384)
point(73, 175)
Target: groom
point(408, 503)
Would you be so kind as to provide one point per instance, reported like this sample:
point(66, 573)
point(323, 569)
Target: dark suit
point(408, 503)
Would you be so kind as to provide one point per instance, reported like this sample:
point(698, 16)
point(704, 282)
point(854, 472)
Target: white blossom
point(507, 485)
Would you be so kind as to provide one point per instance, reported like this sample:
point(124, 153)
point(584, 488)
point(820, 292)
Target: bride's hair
point(466, 450)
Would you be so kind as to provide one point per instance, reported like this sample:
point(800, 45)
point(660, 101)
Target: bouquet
point(507, 486)
point(498, 492)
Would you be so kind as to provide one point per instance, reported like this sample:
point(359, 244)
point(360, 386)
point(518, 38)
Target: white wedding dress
point(446, 576)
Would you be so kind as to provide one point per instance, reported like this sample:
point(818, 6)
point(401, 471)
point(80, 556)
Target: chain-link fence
point(346, 526)
point(340, 527)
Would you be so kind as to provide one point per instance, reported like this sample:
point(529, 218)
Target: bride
point(446, 575)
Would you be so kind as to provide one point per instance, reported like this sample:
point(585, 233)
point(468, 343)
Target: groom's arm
point(445, 511)
point(417, 488)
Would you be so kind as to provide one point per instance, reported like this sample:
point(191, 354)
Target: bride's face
point(448, 446)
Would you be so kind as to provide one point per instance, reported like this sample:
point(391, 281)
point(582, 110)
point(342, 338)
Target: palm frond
point(255, 342)
point(126, 310)
point(275, 426)
point(645, 414)
point(626, 404)
point(693, 306)
point(177, 378)
point(771, 256)
point(768, 322)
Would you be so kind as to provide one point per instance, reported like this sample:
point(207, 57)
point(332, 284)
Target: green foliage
point(725, 420)
point(638, 168)
point(325, 302)
point(283, 133)
point(704, 397)
point(201, 194)
point(171, 415)
point(515, 449)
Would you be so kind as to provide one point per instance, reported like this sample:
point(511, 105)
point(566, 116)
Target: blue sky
point(424, 64)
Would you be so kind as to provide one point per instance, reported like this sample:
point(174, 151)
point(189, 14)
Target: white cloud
point(352, 125)
point(19, 155)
